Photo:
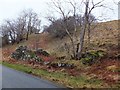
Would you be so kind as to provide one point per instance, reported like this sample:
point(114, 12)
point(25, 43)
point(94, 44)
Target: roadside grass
point(59, 77)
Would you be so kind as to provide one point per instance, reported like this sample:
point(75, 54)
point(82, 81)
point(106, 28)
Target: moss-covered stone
point(101, 53)
point(23, 53)
point(42, 52)
point(91, 57)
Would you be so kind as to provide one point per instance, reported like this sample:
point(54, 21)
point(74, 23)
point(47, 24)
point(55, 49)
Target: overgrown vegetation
point(69, 24)
point(92, 57)
point(23, 53)
point(75, 22)
point(38, 56)
point(81, 50)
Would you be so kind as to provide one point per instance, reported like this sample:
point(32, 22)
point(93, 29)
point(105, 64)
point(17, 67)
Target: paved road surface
point(16, 79)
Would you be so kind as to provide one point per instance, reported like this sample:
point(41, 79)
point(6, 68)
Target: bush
point(87, 61)
point(91, 57)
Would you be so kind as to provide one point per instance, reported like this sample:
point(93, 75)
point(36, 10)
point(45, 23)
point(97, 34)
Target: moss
point(94, 54)
point(87, 61)
point(91, 57)
point(32, 54)
point(101, 53)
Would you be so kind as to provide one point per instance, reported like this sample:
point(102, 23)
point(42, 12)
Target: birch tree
point(65, 16)
point(86, 23)
point(32, 21)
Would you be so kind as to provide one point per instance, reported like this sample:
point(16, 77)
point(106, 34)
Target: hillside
point(103, 37)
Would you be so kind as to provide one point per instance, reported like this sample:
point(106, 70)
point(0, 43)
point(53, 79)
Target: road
point(16, 79)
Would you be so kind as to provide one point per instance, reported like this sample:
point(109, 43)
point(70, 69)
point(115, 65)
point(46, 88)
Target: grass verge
point(59, 77)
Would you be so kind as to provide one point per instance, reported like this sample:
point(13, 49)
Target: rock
point(45, 53)
point(62, 65)
point(46, 63)
point(23, 53)
point(42, 52)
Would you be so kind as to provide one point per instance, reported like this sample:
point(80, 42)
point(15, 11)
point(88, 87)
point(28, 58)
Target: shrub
point(91, 57)
point(87, 61)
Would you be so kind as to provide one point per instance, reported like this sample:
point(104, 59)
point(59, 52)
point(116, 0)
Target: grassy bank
point(59, 77)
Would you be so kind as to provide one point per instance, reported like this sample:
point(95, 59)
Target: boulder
point(42, 52)
point(23, 53)
point(62, 65)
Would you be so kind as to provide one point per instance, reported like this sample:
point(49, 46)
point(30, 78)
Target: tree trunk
point(28, 27)
point(73, 44)
point(89, 36)
point(83, 30)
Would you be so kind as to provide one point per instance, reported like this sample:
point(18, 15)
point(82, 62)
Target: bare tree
point(19, 29)
point(86, 23)
point(11, 28)
point(65, 16)
point(32, 21)
point(5, 36)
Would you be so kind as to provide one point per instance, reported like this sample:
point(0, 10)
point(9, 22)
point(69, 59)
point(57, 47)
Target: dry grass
point(106, 34)
point(104, 37)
